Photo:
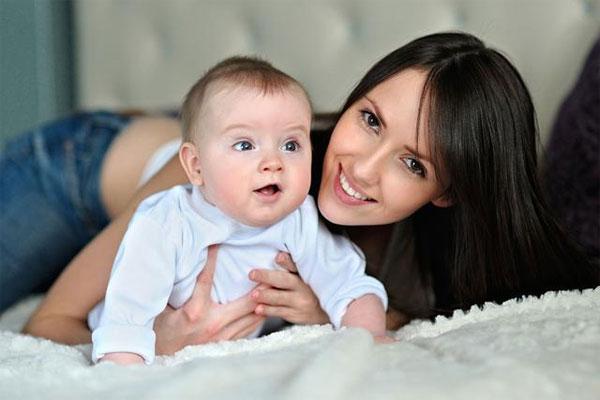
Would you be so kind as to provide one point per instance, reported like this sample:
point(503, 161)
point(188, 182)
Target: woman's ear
point(188, 155)
point(443, 201)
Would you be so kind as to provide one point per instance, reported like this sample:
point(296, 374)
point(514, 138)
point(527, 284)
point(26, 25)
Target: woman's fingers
point(205, 278)
point(240, 328)
point(284, 260)
point(286, 313)
point(287, 279)
point(287, 297)
point(250, 328)
point(199, 302)
point(237, 309)
point(277, 279)
point(273, 297)
point(295, 315)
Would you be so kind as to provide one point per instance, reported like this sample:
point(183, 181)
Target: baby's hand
point(366, 312)
point(385, 339)
point(123, 358)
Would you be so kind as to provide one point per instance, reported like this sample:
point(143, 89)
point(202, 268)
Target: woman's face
point(374, 173)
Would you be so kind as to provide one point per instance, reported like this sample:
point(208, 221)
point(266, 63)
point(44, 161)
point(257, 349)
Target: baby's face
point(255, 152)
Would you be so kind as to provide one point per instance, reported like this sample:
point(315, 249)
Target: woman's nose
point(367, 167)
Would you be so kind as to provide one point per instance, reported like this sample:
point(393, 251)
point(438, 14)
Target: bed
point(531, 348)
point(144, 54)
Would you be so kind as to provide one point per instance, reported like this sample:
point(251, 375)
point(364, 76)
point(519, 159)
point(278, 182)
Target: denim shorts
point(50, 203)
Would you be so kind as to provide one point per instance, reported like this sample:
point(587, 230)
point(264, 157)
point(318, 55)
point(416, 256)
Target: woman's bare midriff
point(127, 156)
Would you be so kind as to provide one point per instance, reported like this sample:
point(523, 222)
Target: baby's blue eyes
point(244, 145)
point(291, 146)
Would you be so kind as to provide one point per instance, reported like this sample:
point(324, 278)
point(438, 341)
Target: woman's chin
point(334, 215)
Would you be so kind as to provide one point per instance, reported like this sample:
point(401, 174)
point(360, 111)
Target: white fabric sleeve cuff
point(123, 339)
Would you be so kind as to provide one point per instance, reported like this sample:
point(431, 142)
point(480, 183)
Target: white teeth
point(349, 190)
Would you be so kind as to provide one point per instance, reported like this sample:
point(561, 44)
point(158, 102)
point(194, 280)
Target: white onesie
point(165, 248)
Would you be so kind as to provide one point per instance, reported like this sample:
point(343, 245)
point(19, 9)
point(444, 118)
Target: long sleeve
point(330, 264)
point(140, 284)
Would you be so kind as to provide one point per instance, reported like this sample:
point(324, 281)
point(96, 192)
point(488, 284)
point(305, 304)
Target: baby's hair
point(245, 71)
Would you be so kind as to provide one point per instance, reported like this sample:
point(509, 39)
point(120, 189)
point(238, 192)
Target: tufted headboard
point(146, 53)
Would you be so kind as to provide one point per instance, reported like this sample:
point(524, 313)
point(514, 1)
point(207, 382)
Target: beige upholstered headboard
point(146, 53)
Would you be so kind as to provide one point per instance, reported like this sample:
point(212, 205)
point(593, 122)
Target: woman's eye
point(415, 166)
point(291, 146)
point(243, 145)
point(370, 120)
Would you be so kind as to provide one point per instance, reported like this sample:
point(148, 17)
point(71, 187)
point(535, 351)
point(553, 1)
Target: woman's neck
point(373, 241)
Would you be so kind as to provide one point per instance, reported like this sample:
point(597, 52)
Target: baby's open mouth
point(268, 190)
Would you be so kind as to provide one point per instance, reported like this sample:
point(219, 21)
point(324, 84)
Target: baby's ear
point(188, 155)
point(443, 200)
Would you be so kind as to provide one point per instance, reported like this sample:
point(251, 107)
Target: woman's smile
point(348, 192)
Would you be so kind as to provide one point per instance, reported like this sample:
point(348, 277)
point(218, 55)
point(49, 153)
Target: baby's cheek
point(305, 176)
point(301, 186)
point(228, 192)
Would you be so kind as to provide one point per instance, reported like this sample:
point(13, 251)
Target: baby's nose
point(271, 164)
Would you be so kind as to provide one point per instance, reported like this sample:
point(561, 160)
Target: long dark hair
point(499, 239)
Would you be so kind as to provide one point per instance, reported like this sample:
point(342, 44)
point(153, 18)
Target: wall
point(36, 63)
point(146, 53)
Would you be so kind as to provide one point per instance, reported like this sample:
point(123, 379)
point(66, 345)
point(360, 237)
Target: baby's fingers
point(384, 339)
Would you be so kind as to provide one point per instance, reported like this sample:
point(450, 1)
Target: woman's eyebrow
point(377, 111)
point(417, 154)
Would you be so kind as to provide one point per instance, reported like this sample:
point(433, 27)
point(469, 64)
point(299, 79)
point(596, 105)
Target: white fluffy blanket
point(535, 348)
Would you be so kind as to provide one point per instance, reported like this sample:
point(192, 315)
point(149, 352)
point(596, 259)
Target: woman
point(434, 152)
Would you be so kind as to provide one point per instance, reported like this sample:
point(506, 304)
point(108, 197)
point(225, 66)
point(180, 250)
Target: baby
point(247, 153)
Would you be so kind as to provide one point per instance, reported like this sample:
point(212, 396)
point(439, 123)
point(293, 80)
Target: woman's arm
point(62, 315)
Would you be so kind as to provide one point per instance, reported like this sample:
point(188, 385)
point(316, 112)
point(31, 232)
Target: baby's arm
point(366, 312)
point(335, 269)
point(138, 290)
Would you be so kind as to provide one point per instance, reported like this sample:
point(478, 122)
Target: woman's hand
point(200, 320)
point(283, 294)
